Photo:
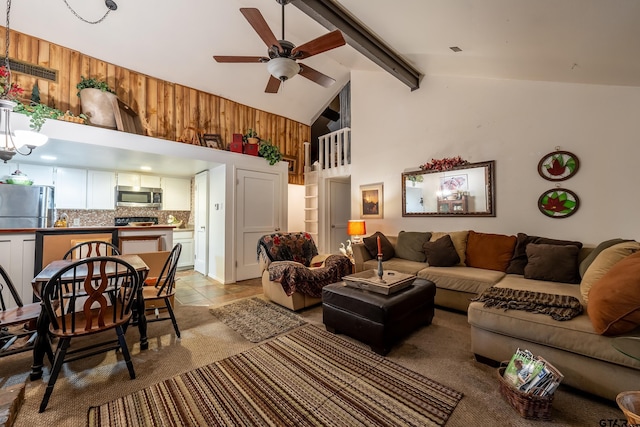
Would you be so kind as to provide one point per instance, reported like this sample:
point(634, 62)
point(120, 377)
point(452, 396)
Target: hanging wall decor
point(558, 165)
point(558, 203)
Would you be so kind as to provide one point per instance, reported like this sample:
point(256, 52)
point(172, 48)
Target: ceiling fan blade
point(256, 59)
point(315, 76)
point(272, 85)
point(321, 44)
point(258, 23)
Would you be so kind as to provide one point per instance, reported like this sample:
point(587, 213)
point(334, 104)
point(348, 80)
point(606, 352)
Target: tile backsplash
point(100, 218)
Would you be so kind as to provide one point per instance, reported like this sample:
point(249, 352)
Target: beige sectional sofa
point(588, 359)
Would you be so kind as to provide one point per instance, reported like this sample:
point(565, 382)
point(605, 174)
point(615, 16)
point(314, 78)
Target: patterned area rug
point(256, 320)
point(308, 377)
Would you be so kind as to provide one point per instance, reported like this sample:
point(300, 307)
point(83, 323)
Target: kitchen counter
point(90, 228)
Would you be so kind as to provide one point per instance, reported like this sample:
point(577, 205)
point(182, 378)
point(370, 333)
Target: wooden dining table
point(42, 345)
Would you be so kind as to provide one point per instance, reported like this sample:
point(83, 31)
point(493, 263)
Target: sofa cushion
point(603, 263)
point(519, 258)
point(586, 262)
point(554, 263)
point(371, 243)
point(614, 300)
point(461, 279)
point(409, 245)
point(441, 253)
point(459, 239)
point(576, 335)
point(489, 251)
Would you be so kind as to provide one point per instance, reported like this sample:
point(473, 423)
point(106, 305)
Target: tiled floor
point(193, 288)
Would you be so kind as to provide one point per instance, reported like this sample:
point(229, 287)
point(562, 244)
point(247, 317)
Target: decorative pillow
point(554, 263)
point(584, 265)
point(489, 251)
point(603, 263)
point(371, 243)
point(442, 252)
point(409, 245)
point(459, 239)
point(614, 300)
point(519, 258)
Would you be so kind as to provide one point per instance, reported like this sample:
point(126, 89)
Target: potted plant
point(98, 101)
point(270, 152)
point(38, 113)
point(251, 137)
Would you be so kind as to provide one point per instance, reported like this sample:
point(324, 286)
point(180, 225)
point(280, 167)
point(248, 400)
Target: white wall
point(296, 208)
point(514, 123)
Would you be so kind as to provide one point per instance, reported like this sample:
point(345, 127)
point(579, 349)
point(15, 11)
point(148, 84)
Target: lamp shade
point(356, 228)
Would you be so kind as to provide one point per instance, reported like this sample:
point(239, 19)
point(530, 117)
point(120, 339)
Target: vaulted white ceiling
point(581, 41)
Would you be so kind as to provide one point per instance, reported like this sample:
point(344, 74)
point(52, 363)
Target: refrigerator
point(26, 206)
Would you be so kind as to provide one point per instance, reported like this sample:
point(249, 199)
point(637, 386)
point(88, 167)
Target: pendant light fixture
point(21, 141)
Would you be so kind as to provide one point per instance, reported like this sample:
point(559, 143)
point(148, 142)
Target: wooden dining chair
point(91, 248)
point(17, 324)
point(87, 297)
point(161, 290)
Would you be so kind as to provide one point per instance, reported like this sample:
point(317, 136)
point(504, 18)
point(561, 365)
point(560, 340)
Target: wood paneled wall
point(167, 110)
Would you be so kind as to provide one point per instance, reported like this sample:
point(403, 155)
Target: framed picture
point(558, 203)
point(558, 166)
point(454, 183)
point(292, 163)
point(211, 140)
point(371, 201)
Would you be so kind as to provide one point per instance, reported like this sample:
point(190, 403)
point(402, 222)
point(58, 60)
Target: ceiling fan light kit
point(282, 54)
point(283, 68)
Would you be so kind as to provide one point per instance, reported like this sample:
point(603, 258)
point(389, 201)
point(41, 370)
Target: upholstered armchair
point(293, 273)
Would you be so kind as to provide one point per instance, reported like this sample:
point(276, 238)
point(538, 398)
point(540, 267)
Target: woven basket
point(528, 406)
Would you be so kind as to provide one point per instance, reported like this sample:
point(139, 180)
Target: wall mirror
point(467, 190)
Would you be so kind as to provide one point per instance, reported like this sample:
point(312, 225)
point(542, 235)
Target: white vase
point(98, 106)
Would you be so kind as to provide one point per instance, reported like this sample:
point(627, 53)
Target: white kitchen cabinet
point(101, 189)
point(176, 194)
point(138, 180)
point(71, 188)
point(39, 174)
point(17, 256)
point(187, 255)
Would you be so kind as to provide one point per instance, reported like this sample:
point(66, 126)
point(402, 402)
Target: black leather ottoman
point(376, 319)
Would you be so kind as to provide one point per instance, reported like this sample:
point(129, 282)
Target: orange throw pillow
point(489, 251)
point(614, 300)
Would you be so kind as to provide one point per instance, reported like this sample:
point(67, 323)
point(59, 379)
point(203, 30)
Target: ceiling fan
point(283, 55)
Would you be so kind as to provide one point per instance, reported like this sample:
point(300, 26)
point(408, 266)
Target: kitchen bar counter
point(89, 228)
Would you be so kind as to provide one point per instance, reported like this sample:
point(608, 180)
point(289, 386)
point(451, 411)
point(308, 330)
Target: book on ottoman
point(392, 281)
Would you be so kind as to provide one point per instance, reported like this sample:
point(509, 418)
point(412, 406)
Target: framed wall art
point(291, 163)
point(558, 203)
point(558, 166)
point(371, 201)
point(211, 140)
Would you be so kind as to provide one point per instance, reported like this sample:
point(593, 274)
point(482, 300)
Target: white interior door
point(201, 220)
point(339, 212)
point(258, 212)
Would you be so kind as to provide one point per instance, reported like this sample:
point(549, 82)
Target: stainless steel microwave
point(138, 197)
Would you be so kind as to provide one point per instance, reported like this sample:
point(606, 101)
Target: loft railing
point(334, 151)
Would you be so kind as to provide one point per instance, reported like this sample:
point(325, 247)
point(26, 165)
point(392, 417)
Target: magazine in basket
point(532, 374)
point(392, 281)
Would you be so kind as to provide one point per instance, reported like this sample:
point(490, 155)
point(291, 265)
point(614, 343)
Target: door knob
point(277, 229)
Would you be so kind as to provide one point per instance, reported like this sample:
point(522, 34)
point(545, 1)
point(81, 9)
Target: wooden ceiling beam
point(332, 16)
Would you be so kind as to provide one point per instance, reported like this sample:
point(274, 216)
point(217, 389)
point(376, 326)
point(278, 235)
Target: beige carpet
point(439, 351)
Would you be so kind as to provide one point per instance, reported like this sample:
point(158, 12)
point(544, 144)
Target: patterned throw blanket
point(559, 307)
point(296, 277)
point(298, 247)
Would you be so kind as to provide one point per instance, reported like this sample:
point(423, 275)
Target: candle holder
point(380, 271)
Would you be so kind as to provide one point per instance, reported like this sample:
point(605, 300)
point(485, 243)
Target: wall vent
point(32, 69)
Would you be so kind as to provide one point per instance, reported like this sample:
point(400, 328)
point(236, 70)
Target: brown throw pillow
point(459, 239)
point(553, 263)
point(409, 245)
point(603, 263)
point(371, 243)
point(614, 300)
point(441, 253)
point(519, 258)
point(489, 251)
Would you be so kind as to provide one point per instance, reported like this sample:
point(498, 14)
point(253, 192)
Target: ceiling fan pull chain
point(111, 5)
